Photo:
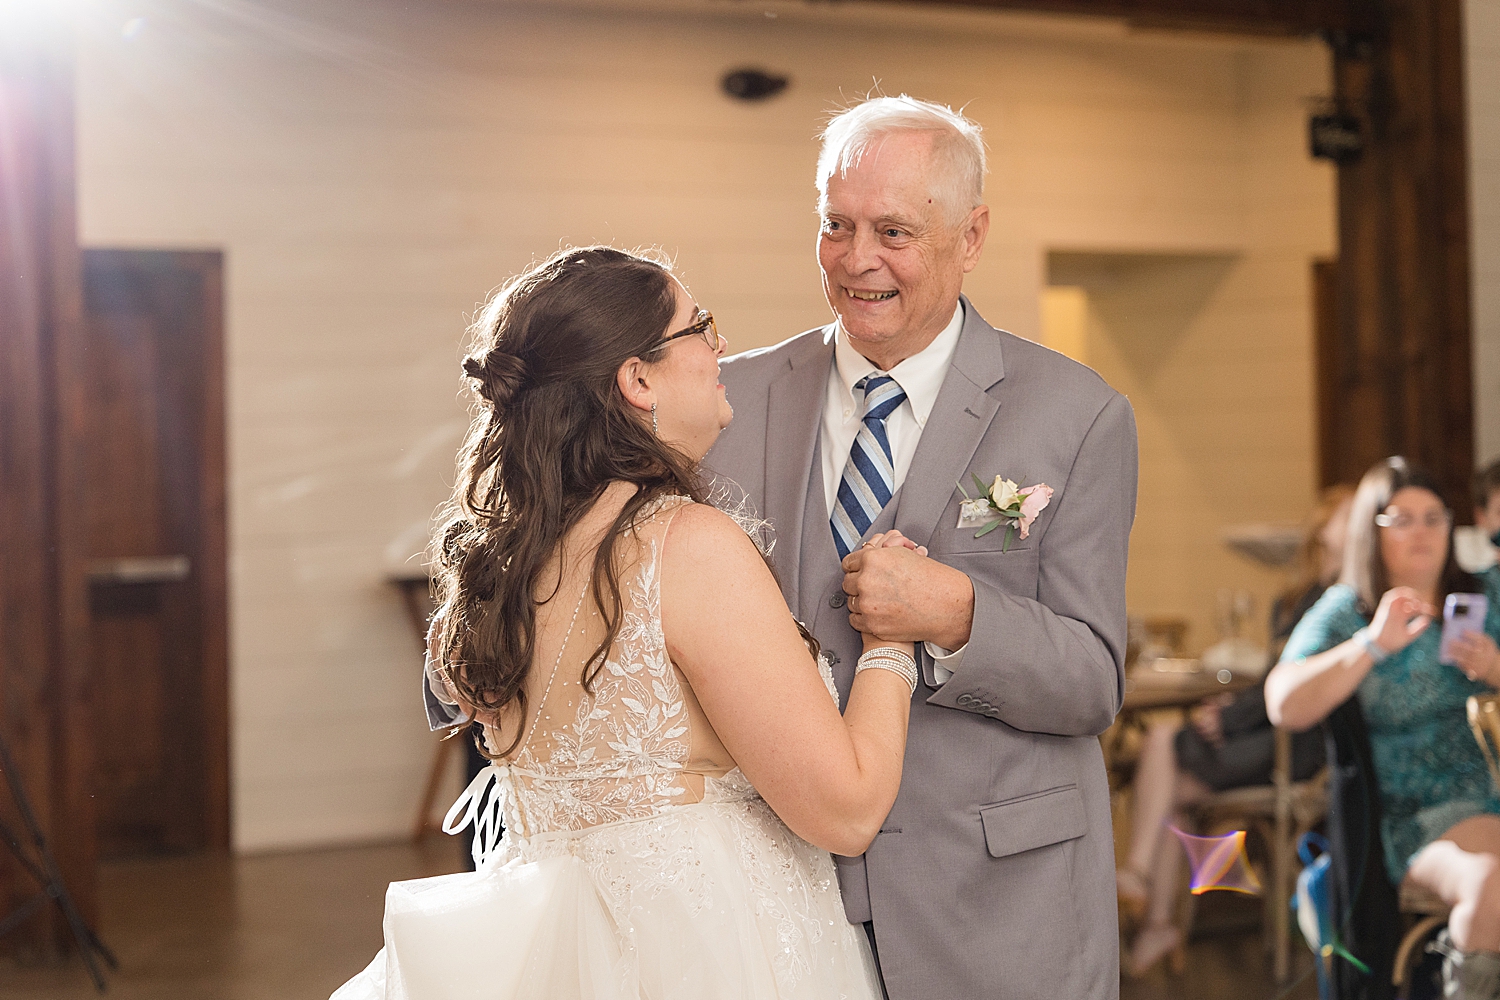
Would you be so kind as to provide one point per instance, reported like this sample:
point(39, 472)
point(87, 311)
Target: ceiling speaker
point(752, 84)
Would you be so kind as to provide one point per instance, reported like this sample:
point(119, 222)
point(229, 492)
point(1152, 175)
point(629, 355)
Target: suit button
point(837, 600)
point(986, 706)
point(834, 659)
point(966, 699)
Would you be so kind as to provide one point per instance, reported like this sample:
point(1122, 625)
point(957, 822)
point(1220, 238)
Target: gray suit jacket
point(993, 874)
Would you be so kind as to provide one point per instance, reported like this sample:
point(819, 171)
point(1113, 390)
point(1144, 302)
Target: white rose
point(1003, 492)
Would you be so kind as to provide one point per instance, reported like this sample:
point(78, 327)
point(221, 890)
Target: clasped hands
point(1403, 615)
point(898, 594)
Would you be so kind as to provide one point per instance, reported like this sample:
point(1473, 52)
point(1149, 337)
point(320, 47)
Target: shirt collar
point(920, 376)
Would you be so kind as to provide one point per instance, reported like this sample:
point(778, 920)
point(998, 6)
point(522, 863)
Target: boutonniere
point(1002, 503)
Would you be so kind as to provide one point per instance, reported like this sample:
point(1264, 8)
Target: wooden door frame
point(213, 579)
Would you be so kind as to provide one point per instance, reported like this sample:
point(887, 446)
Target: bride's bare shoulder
point(702, 534)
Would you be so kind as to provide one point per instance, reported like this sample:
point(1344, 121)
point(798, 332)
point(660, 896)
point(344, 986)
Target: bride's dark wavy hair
point(551, 430)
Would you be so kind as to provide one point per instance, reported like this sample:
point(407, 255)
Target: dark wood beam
point(1396, 378)
point(44, 709)
point(1258, 17)
point(1404, 349)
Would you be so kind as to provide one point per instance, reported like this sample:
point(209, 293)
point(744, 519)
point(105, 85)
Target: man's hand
point(896, 593)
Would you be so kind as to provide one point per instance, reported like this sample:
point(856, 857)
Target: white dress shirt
point(920, 377)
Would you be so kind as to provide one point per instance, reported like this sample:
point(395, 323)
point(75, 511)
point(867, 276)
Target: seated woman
point(1375, 635)
point(1230, 744)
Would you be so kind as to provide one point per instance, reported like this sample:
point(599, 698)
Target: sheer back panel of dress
point(637, 743)
point(637, 861)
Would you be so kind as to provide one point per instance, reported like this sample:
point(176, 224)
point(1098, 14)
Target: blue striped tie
point(870, 474)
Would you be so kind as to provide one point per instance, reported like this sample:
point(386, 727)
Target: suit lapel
point(960, 417)
point(793, 422)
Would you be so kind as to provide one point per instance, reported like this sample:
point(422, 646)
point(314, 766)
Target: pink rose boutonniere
point(1003, 502)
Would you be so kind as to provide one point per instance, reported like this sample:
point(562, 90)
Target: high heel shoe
point(1132, 891)
point(1153, 944)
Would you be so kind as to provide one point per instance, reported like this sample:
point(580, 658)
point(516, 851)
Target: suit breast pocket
point(1013, 571)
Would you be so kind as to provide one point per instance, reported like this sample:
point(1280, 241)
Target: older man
point(993, 874)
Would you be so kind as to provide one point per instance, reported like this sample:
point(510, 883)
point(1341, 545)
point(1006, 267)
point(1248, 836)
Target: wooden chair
point(1281, 812)
point(1423, 910)
point(1430, 913)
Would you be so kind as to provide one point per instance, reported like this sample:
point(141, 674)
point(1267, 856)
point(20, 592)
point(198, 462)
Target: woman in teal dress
point(1376, 634)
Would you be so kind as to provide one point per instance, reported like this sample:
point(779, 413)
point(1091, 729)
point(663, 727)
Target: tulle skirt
point(712, 901)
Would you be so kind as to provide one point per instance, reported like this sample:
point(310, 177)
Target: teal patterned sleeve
point(1334, 619)
point(1490, 582)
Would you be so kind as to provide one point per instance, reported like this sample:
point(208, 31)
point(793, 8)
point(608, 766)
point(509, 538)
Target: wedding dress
point(637, 861)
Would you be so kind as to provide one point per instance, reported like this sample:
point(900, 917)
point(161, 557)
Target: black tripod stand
point(38, 861)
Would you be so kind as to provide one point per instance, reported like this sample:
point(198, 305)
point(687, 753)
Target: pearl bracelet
point(888, 658)
point(1377, 652)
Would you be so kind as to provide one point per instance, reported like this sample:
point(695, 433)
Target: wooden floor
point(268, 927)
point(1226, 964)
point(278, 927)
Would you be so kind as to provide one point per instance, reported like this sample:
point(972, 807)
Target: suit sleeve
point(1056, 664)
point(438, 696)
point(442, 711)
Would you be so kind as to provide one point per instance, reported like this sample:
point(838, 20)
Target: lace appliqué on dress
point(700, 892)
point(622, 755)
point(620, 760)
point(775, 861)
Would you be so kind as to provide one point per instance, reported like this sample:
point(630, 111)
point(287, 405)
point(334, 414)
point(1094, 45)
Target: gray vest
point(823, 608)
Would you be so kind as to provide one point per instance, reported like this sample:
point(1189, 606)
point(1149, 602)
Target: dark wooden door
point(156, 546)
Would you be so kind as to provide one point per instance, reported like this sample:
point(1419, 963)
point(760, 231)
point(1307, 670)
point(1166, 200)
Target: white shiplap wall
point(373, 170)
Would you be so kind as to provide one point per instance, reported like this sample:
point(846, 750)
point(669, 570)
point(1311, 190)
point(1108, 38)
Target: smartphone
point(1462, 613)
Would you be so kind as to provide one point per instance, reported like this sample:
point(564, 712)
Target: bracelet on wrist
point(897, 661)
point(1377, 652)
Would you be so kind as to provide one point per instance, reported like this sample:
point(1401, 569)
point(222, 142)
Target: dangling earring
point(654, 428)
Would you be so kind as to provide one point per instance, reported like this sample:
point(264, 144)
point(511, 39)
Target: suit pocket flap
point(1032, 821)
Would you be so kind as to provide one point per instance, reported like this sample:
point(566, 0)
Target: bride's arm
point(831, 778)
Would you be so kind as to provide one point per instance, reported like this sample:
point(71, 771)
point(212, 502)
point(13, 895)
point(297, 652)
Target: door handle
point(140, 569)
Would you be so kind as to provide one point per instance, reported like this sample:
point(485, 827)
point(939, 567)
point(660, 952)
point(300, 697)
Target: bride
point(670, 765)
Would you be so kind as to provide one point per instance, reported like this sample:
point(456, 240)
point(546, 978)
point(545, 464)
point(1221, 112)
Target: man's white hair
point(958, 148)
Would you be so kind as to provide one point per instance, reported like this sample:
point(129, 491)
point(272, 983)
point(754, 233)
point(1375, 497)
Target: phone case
point(1455, 625)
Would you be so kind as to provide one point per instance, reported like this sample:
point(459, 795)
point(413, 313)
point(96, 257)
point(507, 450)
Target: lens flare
point(1218, 862)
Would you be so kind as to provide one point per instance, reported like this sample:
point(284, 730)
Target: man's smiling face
point(893, 263)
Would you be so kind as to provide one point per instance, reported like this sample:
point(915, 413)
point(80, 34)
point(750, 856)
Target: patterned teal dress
point(1428, 765)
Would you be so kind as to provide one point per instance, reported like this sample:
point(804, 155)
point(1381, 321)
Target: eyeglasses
point(703, 328)
point(1400, 520)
